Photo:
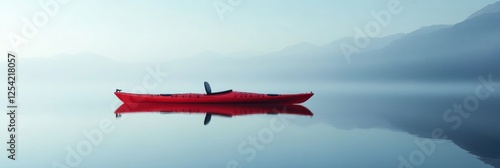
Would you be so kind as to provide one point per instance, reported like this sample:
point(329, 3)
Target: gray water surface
point(350, 128)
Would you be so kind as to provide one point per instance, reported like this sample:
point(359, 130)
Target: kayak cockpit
point(223, 92)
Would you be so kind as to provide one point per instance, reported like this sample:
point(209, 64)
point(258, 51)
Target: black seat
point(222, 92)
point(208, 89)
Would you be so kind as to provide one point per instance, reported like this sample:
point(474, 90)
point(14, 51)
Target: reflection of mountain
point(420, 115)
point(227, 110)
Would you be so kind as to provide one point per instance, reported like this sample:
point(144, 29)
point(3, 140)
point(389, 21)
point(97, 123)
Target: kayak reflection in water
point(225, 110)
point(208, 117)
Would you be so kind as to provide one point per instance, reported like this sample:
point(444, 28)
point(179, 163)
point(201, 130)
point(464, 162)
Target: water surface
point(351, 127)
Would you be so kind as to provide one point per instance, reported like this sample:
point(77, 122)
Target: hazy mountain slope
point(492, 8)
point(460, 52)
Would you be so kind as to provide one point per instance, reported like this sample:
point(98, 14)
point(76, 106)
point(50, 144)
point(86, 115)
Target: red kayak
point(228, 96)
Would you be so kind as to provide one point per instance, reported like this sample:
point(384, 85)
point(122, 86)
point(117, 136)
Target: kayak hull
point(225, 97)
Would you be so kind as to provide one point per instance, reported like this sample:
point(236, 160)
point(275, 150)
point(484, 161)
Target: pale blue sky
point(164, 30)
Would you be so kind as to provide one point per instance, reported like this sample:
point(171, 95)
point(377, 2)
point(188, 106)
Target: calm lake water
point(351, 127)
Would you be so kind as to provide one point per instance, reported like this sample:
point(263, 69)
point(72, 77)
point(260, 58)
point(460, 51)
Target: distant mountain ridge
point(459, 52)
point(492, 8)
point(433, 53)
